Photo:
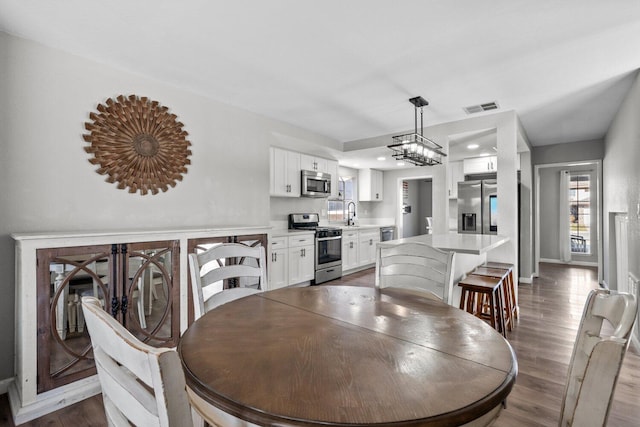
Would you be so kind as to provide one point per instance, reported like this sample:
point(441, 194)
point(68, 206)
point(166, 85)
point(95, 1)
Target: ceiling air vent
point(481, 107)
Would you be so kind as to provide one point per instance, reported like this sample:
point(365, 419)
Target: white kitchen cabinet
point(332, 169)
point(312, 163)
point(367, 242)
point(278, 266)
point(455, 175)
point(370, 184)
point(349, 250)
point(478, 165)
point(285, 173)
point(301, 258)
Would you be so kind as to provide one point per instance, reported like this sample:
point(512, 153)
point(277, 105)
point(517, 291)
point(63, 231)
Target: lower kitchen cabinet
point(301, 258)
point(301, 265)
point(349, 250)
point(279, 266)
point(291, 260)
point(368, 240)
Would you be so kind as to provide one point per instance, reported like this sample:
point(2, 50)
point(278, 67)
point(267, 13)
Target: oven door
point(328, 252)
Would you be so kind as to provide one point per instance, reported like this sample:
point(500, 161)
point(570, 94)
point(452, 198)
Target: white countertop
point(476, 244)
point(280, 232)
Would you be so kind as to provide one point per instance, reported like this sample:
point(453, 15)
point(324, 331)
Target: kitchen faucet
point(350, 218)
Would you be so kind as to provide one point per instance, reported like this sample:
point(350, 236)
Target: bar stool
point(510, 284)
point(502, 275)
point(474, 290)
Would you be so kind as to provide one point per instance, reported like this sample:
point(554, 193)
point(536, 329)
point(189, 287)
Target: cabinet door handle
point(370, 242)
point(301, 253)
point(350, 245)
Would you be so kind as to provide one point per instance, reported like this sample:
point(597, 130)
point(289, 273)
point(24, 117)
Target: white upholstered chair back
point(415, 266)
point(123, 363)
point(208, 271)
point(597, 357)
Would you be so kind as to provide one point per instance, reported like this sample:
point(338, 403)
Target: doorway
point(415, 205)
point(575, 239)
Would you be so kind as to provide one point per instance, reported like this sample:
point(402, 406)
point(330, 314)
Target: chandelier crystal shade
point(414, 147)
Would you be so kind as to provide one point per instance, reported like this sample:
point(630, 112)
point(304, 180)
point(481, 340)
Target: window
point(580, 213)
point(337, 209)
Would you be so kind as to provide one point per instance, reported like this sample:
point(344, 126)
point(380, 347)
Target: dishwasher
point(387, 233)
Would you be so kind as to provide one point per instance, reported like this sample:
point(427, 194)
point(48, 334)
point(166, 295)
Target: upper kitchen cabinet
point(332, 169)
point(285, 173)
point(477, 165)
point(311, 163)
point(370, 185)
point(456, 174)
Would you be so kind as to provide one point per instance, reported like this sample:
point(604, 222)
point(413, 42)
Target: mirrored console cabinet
point(141, 278)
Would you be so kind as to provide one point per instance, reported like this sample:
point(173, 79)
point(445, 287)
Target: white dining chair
point(597, 357)
point(141, 385)
point(416, 266)
point(209, 270)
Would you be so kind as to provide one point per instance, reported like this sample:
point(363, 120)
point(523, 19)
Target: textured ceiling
point(346, 69)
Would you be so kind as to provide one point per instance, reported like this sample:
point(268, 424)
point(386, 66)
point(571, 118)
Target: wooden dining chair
point(141, 385)
point(415, 266)
point(597, 357)
point(210, 270)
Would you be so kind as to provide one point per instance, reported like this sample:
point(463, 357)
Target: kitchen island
point(471, 250)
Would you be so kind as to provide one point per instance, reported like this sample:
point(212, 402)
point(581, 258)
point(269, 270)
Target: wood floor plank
point(550, 311)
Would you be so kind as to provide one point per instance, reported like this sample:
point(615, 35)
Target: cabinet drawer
point(304, 240)
point(349, 234)
point(370, 234)
point(278, 243)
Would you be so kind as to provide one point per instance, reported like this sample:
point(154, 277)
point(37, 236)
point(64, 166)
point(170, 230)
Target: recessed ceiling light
point(382, 158)
point(355, 165)
point(400, 164)
point(472, 146)
point(484, 154)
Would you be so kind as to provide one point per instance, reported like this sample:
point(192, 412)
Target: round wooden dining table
point(347, 356)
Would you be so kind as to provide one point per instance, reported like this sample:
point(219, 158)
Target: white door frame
point(599, 239)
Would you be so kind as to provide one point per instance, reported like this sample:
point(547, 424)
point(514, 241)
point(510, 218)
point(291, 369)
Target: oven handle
point(323, 239)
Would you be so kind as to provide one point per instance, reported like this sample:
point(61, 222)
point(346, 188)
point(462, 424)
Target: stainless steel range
point(328, 246)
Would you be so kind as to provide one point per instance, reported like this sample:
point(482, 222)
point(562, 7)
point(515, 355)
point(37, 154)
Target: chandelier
point(413, 147)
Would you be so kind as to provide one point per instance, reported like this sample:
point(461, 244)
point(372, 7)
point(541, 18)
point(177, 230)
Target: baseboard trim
point(357, 269)
point(52, 400)
point(4, 385)
point(526, 280)
point(576, 263)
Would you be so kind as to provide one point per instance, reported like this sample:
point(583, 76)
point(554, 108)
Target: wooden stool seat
point(474, 288)
point(510, 284)
point(503, 275)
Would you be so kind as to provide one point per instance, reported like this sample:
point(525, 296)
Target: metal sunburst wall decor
point(138, 144)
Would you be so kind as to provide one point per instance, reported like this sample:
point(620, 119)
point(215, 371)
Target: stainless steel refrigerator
point(478, 207)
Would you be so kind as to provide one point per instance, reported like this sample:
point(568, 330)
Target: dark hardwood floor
point(550, 311)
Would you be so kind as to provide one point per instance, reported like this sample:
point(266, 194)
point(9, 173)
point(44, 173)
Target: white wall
point(621, 179)
point(48, 184)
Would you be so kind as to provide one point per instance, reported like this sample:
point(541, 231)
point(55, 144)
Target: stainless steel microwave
point(315, 184)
